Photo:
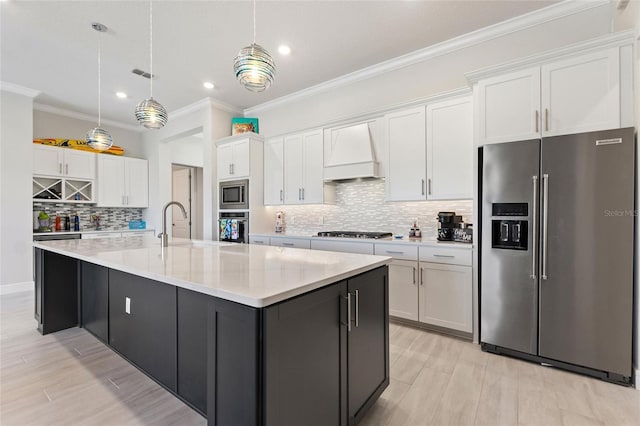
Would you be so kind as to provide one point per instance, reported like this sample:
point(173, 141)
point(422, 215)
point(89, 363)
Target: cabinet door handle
point(348, 311)
point(229, 168)
point(429, 183)
point(60, 168)
point(422, 186)
point(302, 194)
point(299, 194)
point(357, 308)
point(422, 276)
point(66, 169)
point(281, 195)
point(444, 255)
point(537, 121)
point(414, 275)
point(546, 119)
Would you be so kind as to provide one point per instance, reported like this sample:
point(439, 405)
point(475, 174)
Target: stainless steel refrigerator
point(557, 251)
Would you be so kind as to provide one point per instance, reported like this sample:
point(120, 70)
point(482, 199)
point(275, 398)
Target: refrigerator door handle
point(533, 227)
point(545, 215)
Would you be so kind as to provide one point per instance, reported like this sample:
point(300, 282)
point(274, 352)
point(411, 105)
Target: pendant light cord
point(99, 78)
point(254, 21)
point(151, 47)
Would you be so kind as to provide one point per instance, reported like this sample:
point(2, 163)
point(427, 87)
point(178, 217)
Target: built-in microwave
point(234, 194)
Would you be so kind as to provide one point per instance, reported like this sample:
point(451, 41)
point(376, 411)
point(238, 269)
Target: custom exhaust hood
point(352, 154)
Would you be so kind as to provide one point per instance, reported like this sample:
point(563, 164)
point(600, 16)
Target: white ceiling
point(49, 46)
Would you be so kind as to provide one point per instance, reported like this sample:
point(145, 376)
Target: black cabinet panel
point(305, 357)
point(56, 284)
point(95, 300)
point(146, 335)
point(368, 341)
point(234, 364)
point(192, 347)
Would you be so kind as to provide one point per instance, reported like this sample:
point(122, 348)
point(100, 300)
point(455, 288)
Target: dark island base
point(292, 363)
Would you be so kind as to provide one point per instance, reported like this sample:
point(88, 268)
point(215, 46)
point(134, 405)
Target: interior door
point(181, 192)
point(586, 299)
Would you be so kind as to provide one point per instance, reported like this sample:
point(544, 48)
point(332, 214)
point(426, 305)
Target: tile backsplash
point(110, 218)
point(360, 206)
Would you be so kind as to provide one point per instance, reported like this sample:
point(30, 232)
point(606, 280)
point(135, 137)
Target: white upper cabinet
point(509, 107)
point(565, 93)
point(274, 171)
point(406, 170)
point(123, 182)
point(303, 163)
point(233, 160)
point(63, 162)
point(450, 149)
point(581, 94)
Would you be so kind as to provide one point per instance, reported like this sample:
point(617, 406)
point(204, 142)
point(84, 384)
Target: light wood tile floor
point(70, 378)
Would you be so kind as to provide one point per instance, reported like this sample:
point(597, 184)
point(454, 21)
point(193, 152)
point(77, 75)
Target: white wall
point(439, 74)
point(48, 125)
point(16, 129)
point(162, 146)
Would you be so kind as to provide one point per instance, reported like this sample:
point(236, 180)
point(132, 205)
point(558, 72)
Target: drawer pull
point(444, 255)
point(288, 244)
point(393, 252)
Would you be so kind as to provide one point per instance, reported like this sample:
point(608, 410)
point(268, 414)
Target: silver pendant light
point(98, 138)
point(150, 113)
point(254, 66)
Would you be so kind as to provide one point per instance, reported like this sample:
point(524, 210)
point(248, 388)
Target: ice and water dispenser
point(511, 233)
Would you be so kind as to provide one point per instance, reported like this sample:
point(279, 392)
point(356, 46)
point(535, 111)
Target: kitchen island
point(244, 334)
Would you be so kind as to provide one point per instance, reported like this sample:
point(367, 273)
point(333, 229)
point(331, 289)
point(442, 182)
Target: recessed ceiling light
point(284, 49)
point(121, 95)
point(208, 85)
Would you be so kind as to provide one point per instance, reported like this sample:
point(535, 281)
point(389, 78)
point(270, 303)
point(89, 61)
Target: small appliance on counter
point(447, 222)
point(279, 222)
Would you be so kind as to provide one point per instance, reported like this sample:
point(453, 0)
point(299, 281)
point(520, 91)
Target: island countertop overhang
point(252, 275)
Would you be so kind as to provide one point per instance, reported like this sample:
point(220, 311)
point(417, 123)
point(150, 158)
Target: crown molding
point(86, 117)
point(19, 90)
point(518, 23)
point(203, 103)
point(603, 42)
point(349, 120)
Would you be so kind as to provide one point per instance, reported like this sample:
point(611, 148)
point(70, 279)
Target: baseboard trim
point(16, 287)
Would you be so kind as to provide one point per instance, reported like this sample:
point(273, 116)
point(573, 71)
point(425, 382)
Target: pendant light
point(150, 113)
point(98, 138)
point(254, 66)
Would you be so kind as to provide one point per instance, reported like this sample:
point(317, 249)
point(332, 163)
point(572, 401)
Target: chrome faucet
point(163, 236)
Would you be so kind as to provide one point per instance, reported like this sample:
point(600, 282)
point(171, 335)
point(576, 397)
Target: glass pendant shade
point(254, 68)
point(151, 114)
point(99, 139)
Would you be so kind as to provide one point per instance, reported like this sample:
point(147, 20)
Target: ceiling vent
point(141, 73)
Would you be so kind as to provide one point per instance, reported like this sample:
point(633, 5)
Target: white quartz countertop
point(93, 231)
point(431, 242)
point(249, 274)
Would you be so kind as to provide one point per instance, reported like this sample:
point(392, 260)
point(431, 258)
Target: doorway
point(186, 188)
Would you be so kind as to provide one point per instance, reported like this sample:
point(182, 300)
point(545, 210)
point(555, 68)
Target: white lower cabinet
point(446, 296)
point(403, 289)
point(259, 239)
point(290, 242)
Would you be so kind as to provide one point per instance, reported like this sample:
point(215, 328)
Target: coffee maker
point(447, 222)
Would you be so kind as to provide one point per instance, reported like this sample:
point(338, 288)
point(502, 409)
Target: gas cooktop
point(353, 234)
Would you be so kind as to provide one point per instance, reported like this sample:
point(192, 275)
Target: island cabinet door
point(142, 324)
point(234, 383)
point(368, 341)
point(95, 300)
point(305, 359)
point(56, 291)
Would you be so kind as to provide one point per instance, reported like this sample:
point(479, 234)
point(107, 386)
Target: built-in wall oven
point(233, 227)
point(234, 194)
